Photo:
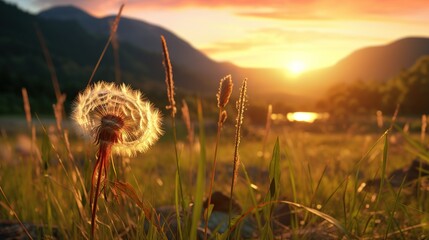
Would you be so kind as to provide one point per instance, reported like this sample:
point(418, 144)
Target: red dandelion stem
point(102, 163)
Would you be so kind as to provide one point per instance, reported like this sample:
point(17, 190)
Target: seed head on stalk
point(120, 122)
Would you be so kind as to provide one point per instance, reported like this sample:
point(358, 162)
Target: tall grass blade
point(15, 215)
point(201, 182)
point(318, 213)
point(267, 129)
point(49, 62)
point(273, 192)
point(252, 196)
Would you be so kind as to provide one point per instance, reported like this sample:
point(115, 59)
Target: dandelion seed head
point(117, 115)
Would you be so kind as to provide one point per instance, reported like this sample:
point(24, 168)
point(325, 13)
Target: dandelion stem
point(102, 161)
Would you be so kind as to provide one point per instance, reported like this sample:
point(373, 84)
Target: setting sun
point(296, 67)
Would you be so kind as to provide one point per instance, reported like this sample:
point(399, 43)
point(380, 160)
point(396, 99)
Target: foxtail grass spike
point(168, 77)
point(223, 95)
point(225, 90)
point(223, 117)
point(241, 104)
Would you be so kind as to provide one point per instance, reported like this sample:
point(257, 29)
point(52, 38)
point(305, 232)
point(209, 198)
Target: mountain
point(376, 63)
point(74, 53)
point(138, 33)
point(184, 56)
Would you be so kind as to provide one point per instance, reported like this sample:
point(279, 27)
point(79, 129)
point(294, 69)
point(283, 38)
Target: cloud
point(287, 9)
point(277, 14)
point(283, 39)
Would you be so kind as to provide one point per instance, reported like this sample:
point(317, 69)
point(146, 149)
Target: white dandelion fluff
point(118, 116)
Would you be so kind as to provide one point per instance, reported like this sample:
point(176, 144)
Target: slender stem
point(103, 155)
point(173, 122)
point(94, 206)
point(177, 160)
point(14, 214)
point(94, 172)
point(219, 128)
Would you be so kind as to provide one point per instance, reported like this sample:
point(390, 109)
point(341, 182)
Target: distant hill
point(377, 63)
point(184, 56)
point(137, 32)
point(74, 52)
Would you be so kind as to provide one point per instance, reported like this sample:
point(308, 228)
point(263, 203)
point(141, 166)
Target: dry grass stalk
point(379, 115)
point(394, 117)
point(27, 108)
point(34, 146)
point(115, 46)
point(223, 117)
point(406, 128)
point(239, 122)
point(423, 129)
point(168, 77)
point(50, 63)
point(223, 95)
point(58, 111)
point(191, 134)
point(113, 30)
point(15, 215)
point(187, 120)
point(267, 128)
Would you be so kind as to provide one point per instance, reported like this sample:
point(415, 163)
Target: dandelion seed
point(118, 120)
point(118, 115)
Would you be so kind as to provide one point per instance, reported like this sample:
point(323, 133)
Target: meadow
point(45, 178)
point(211, 174)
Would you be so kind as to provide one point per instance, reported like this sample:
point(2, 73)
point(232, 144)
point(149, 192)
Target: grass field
point(45, 181)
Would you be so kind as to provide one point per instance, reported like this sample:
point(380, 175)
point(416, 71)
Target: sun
point(295, 67)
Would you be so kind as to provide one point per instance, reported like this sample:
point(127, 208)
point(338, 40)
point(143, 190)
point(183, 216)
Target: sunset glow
point(266, 33)
point(308, 117)
point(296, 67)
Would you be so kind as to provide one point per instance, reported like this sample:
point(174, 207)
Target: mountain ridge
point(373, 63)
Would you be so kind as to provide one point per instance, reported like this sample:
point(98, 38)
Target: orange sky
point(298, 34)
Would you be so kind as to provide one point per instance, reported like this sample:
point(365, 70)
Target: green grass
point(317, 174)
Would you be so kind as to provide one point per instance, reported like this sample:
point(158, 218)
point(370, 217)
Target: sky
point(297, 35)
